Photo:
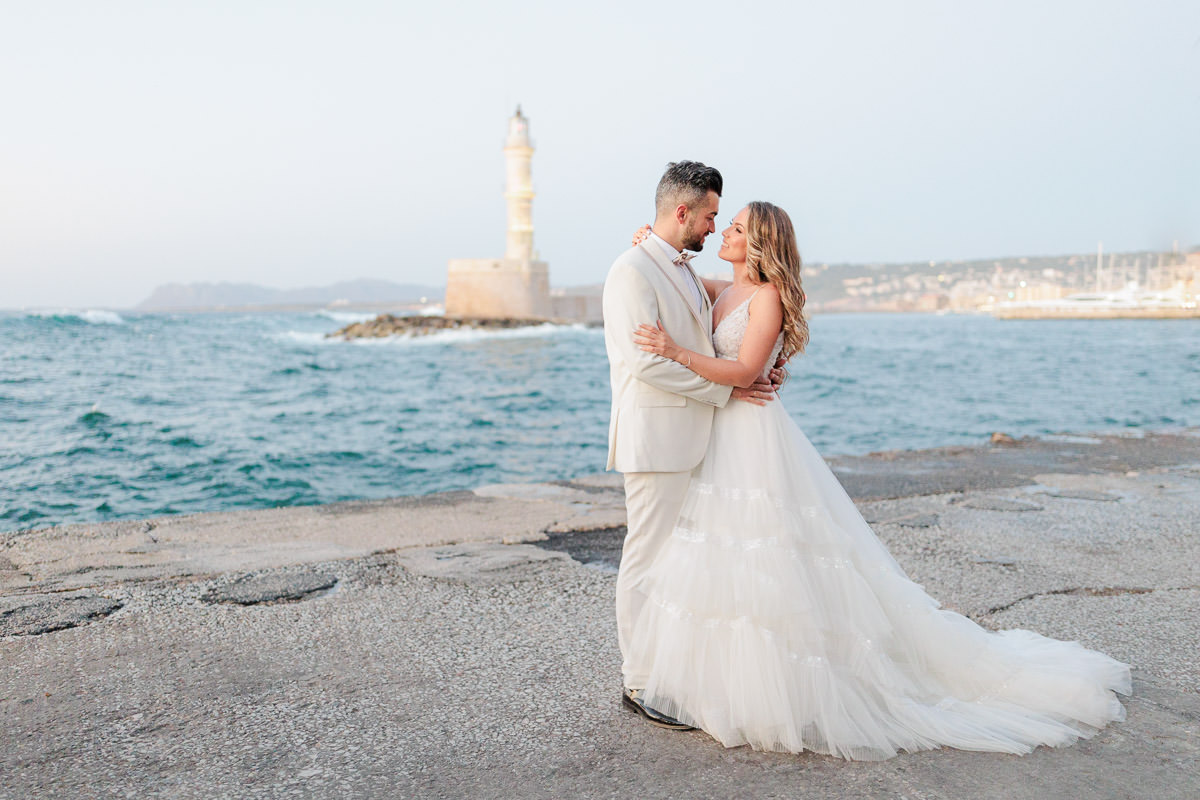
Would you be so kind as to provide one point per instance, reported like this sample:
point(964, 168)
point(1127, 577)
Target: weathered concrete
point(37, 616)
point(904, 473)
point(89, 556)
point(271, 587)
point(461, 666)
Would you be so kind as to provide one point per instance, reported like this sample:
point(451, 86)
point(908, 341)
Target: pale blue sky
point(294, 144)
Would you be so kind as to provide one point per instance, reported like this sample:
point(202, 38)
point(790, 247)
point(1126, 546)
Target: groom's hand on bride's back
point(764, 390)
point(778, 374)
point(760, 393)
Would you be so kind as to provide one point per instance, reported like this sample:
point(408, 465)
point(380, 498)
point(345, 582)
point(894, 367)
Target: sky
point(297, 144)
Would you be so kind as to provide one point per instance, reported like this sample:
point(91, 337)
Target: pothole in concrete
point(599, 549)
point(271, 587)
point(997, 504)
point(55, 615)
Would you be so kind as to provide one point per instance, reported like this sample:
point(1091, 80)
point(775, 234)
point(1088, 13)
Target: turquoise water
point(108, 416)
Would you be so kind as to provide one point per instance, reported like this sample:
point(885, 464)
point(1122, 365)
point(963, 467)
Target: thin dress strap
point(744, 304)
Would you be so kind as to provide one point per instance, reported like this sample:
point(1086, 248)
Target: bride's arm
point(714, 287)
point(766, 320)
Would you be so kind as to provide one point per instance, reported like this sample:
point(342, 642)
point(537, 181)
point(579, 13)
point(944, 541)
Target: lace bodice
point(727, 338)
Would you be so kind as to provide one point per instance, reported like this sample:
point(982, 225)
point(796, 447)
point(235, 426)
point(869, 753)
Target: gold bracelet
point(689, 352)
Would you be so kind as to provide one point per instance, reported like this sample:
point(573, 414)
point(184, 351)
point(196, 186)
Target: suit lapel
point(703, 292)
point(673, 275)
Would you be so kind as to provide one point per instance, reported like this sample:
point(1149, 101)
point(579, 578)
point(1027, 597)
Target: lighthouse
point(518, 192)
point(516, 286)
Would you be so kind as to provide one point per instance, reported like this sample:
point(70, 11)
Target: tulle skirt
point(777, 619)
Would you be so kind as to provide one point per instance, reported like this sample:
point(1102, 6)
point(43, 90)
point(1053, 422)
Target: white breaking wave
point(303, 337)
point(464, 335)
point(347, 316)
point(101, 317)
point(95, 316)
point(461, 336)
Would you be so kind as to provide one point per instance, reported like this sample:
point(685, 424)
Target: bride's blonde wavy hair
point(772, 256)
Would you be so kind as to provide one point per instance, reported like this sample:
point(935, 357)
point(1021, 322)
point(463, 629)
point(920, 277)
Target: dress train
point(777, 619)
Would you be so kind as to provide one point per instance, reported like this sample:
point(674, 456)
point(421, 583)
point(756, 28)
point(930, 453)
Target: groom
point(661, 411)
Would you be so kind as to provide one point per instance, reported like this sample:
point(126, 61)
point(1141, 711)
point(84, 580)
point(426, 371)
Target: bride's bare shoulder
point(766, 296)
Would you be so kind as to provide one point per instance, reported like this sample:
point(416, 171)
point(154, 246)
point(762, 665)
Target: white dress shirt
point(688, 280)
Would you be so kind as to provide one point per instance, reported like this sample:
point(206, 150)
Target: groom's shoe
point(632, 698)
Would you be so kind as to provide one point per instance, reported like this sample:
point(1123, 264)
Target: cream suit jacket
point(661, 410)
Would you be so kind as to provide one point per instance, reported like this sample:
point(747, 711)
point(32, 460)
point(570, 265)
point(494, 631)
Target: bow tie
point(682, 259)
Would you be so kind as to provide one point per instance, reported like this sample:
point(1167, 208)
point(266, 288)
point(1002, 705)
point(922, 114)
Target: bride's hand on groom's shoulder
point(641, 235)
point(653, 339)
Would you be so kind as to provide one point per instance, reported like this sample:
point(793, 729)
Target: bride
point(777, 619)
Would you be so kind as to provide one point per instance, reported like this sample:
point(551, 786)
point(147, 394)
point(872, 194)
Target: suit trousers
point(652, 504)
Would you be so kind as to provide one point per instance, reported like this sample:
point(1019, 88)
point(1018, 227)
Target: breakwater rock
point(391, 325)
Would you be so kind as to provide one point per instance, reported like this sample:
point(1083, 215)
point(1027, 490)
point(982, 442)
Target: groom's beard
point(695, 244)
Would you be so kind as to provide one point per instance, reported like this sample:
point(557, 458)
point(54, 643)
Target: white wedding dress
point(778, 620)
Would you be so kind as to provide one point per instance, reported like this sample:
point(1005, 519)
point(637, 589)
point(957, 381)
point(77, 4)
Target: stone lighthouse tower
point(516, 286)
point(518, 193)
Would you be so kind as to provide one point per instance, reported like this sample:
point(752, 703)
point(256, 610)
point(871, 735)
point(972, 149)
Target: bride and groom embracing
point(753, 600)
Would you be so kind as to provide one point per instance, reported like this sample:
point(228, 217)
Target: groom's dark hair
point(686, 182)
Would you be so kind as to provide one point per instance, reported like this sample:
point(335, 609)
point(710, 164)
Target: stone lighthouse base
point(498, 288)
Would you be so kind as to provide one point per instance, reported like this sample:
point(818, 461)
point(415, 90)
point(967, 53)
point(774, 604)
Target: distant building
point(578, 303)
point(518, 285)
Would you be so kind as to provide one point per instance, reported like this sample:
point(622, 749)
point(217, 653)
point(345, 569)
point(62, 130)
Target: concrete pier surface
point(463, 644)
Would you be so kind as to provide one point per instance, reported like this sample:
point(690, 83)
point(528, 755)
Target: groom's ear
point(681, 212)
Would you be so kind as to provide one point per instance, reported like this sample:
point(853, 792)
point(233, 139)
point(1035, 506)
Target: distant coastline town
point(1135, 284)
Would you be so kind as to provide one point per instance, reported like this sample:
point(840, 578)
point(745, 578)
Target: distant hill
point(209, 296)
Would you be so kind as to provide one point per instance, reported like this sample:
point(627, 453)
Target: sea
point(115, 415)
